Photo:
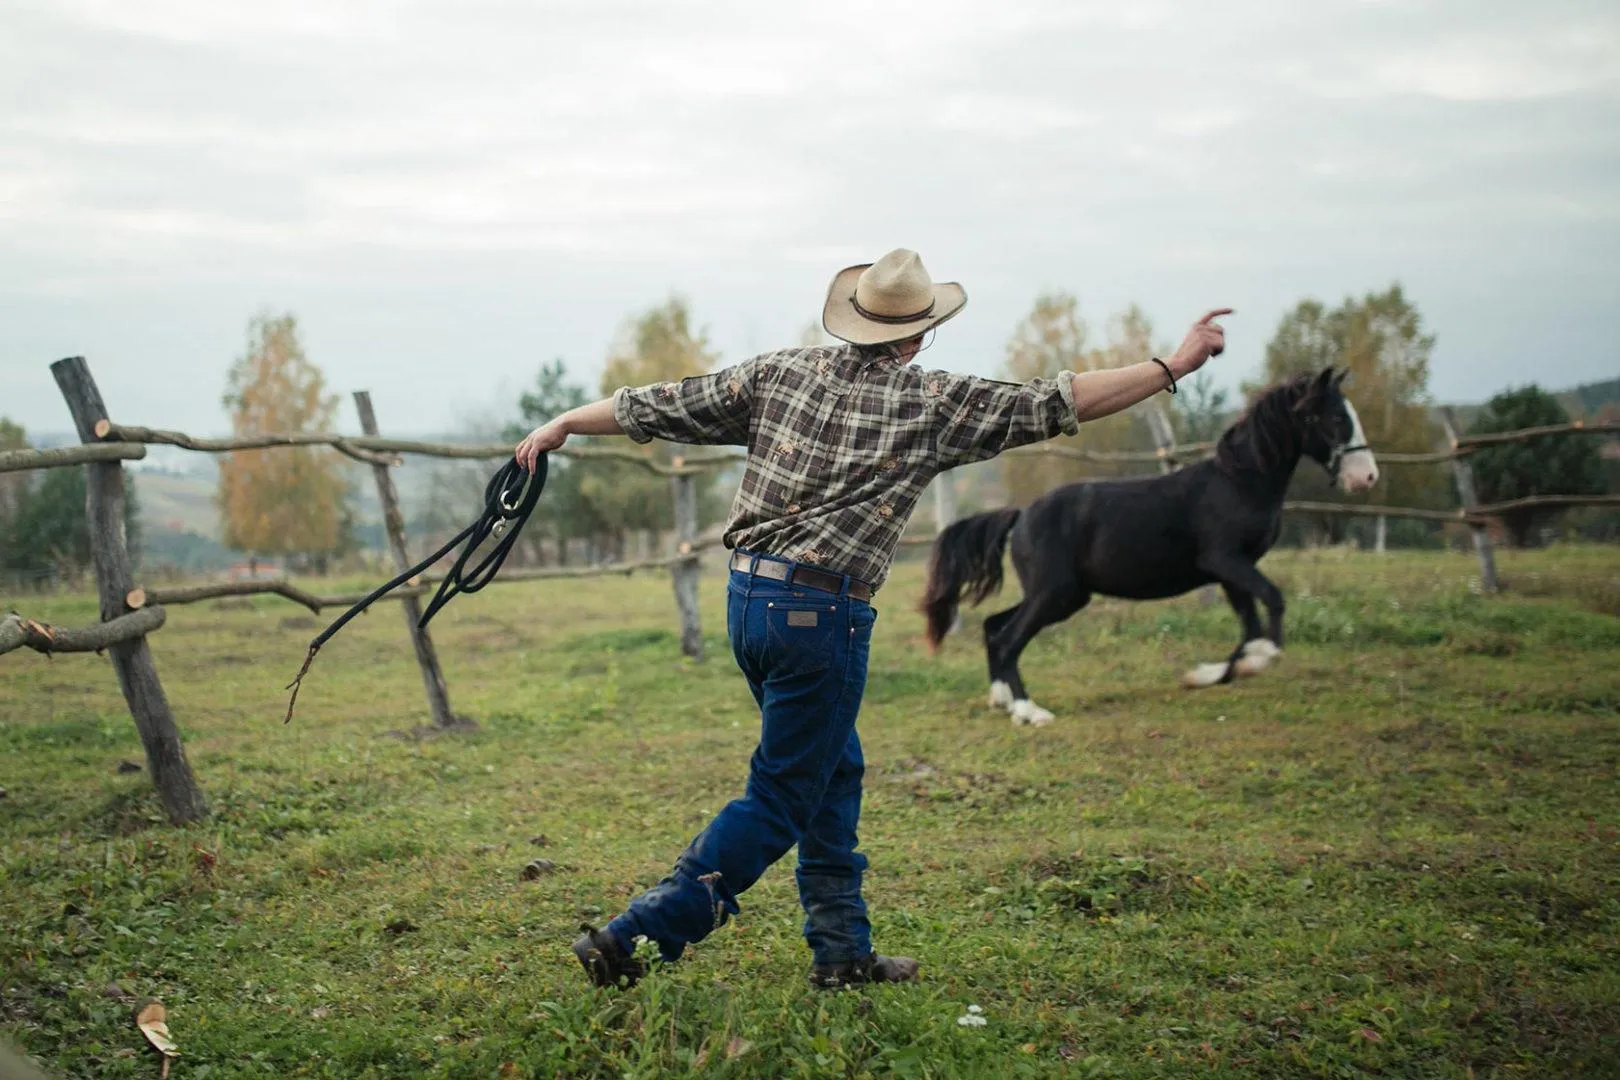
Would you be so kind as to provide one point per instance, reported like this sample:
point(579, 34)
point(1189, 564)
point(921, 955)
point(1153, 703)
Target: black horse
point(1153, 537)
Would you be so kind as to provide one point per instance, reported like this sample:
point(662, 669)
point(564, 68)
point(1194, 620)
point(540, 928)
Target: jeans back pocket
point(802, 635)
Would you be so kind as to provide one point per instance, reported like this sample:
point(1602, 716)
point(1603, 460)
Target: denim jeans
point(803, 653)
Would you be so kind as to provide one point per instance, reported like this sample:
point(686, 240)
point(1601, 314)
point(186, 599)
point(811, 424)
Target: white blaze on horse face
point(1358, 471)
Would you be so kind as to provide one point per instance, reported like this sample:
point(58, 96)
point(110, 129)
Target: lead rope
point(509, 498)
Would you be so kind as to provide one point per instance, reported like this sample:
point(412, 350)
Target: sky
point(448, 195)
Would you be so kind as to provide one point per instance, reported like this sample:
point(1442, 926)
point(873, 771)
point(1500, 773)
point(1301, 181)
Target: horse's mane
point(1266, 436)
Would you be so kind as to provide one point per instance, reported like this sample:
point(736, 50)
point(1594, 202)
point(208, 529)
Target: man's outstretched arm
point(980, 418)
point(593, 419)
point(1102, 393)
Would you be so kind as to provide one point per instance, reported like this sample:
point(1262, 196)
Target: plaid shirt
point(842, 440)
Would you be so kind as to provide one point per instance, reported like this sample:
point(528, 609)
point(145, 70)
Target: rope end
point(298, 681)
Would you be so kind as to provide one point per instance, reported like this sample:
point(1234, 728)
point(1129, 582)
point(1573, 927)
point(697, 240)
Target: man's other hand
point(1207, 338)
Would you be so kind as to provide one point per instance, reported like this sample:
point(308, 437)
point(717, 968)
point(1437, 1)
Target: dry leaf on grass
point(737, 1047)
point(152, 1018)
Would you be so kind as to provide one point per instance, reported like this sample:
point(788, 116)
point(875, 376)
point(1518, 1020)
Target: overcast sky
point(449, 194)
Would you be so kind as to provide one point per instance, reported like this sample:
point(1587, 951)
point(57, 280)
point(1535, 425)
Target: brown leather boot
point(605, 962)
point(868, 969)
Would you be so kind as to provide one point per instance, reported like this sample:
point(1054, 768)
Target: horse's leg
point(1000, 692)
point(1038, 611)
point(1238, 575)
point(1209, 674)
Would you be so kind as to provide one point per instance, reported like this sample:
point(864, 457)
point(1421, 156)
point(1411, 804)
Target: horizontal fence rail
point(377, 450)
point(17, 632)
point(127, 442)
point(60, 456)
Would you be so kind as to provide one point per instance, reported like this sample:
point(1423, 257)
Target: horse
point(1148, 538)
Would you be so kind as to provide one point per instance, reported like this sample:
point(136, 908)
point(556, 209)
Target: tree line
point(298, 505)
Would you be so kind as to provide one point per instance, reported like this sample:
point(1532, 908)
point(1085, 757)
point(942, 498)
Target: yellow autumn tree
point(1053, 338)
point(658, 345)
point(280, 501)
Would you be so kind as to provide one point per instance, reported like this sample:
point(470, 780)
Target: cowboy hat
point(890, 300)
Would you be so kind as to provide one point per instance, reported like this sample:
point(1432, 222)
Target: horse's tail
point(967, 556)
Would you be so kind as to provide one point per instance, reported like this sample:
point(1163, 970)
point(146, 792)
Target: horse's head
point(1333, 435)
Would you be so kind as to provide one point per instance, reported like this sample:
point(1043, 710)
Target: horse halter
point(1336, 457)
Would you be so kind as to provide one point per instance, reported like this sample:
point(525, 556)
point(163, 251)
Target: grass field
point(1395, 853)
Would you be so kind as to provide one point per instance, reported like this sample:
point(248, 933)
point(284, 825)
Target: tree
point(659, 345)
point(1553, 465)
point(1380, 340)
point(280, 502)
point(48, 534)
point(14, 485)
point(568, 514)
point(1052, 339)
point(1201, 411)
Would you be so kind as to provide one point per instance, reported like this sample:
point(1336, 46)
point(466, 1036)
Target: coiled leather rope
point(509, 499)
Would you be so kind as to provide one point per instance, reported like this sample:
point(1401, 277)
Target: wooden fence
point(130, 612)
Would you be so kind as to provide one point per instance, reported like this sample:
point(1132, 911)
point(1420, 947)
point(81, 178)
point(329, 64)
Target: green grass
point(1396, 853)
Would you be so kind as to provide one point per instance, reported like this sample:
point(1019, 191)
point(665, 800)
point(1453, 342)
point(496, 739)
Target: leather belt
point(807, 576)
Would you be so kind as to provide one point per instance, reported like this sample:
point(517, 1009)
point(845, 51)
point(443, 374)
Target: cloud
point(410, 177)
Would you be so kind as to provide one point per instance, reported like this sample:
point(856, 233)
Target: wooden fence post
point(685, 573)
point(137, 675)
point(1164, 436)
point(438, 694)
point(1466, 495)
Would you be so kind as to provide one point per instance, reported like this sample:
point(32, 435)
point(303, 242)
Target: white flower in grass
point(974, 1017)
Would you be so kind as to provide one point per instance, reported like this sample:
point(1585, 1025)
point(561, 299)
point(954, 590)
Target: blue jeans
point(804, 654)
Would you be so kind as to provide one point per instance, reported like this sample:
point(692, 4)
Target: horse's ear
point(1339, 377)
point(1315, 390)
point(1327, 378)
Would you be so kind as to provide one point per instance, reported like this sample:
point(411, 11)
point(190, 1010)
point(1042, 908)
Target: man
point(842, 440)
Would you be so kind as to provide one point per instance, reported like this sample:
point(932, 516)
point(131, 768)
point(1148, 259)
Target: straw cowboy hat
point(890, 300)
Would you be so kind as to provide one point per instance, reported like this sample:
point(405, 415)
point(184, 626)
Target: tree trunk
point(683, 492)
point(166, 760)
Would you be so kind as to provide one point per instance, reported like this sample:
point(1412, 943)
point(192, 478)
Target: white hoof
point(1025, 711)
point(1257, 656)
point(1203, 675)
point(1000, 695)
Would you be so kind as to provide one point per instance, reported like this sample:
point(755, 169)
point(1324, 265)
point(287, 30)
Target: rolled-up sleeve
point(700, 410)
point(976, 418)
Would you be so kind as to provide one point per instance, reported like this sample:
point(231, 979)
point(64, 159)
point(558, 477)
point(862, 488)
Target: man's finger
point(1217, 313)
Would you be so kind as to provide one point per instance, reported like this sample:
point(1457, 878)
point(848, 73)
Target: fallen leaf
point(537, 868)
point(540, 841)
point(1370, 1035)
point(319, 1012)
point(737, 1047)
point(401, 926)
point(128, 767)
point(152, 1019)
